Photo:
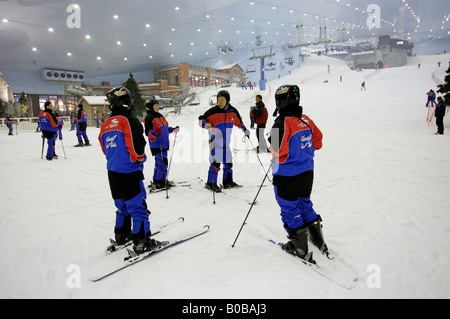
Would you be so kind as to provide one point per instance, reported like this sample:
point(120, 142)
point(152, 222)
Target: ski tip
point(181, 219)
point(271, 241)
point(207, 227)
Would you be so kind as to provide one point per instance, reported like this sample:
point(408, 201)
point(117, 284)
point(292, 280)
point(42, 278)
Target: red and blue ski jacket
point(222, 122)
point(48, 121)
point(122, 140)
point(293, 143)
point(157, 130)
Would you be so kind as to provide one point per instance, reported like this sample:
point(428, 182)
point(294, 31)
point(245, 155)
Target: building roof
point(230, 66)
point(94, 100)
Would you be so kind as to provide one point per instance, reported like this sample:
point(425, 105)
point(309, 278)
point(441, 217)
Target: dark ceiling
point(103, 37)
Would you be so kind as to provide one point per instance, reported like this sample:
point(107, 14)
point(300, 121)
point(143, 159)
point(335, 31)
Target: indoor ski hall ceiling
point(104, 37)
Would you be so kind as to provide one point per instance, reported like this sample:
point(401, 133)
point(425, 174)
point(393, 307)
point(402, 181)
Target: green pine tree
point(138, 102)
point(444, 89)
point(23, 102)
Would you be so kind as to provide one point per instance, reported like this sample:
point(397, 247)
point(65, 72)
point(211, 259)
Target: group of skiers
point(439, 112)
point(51, 126)
point(294, 139)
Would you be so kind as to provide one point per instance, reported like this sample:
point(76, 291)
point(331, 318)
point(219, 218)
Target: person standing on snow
point(122, 140)
point(294, 139)
point(9, 124)
point(60, 123)
point(81, 127)
point(440, 113)
point(157, 130)
point(260, 114)
point(49, 126)
point(219, 120)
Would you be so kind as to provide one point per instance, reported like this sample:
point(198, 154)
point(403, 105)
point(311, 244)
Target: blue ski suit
point(122, 140)
point(294, 139)
point(222, 121)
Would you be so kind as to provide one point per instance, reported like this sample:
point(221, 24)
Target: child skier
point(431, 98)
point(294, 138)
point(60, 125)
point(122, 140)
point(81, 127)
point(157, 130)
point(49, 127)
point(219, 120)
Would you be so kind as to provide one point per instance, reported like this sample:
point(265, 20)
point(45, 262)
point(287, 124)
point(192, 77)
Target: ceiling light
point(87, 36)
point(147, 25)
point(99, 58)
point(69, 54)
point(4, 20)
point(50, 29)
point(177, 8)
point(125, 58)
point(116, 16)
point(150, 57)
point(119, 43)
point(34, 49)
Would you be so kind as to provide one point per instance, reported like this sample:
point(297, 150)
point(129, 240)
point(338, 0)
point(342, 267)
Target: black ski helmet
point(119, 97)
point(287, 95)
point(149, 103)
point(225, 94)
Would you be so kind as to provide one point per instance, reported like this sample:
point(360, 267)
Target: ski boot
point(145, 245)
point(213, 187)
point(231, 184)
point(316, 236)
point(87, 143)
point(80, 144)
point(298, 245)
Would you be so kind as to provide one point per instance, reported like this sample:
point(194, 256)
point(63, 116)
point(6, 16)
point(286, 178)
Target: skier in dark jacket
point(122, 140)
point(219, 120)
point(157, 130)
point(294, 139)
point(259, 111)
point(440, 113)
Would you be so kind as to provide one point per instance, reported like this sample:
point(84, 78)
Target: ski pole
point(214, 193)
point(170, 161)
point(259, 159)
point(65, 157)
point(251, 207)
point(162, 159)
point(43, 142)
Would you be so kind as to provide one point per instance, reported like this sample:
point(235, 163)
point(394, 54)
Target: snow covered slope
point(382, 185)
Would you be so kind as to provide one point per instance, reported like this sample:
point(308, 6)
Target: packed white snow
point(382, 187)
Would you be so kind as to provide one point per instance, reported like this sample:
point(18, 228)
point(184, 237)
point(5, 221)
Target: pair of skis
point(133, 258)
point(329, 265)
